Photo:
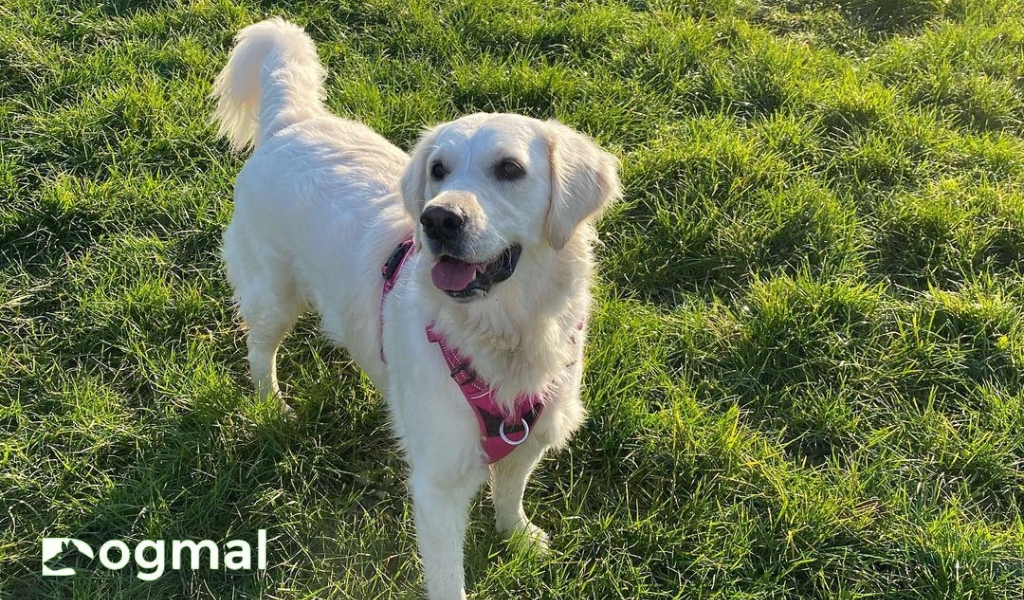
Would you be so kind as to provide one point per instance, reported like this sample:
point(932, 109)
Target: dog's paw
point(527, 536)
point(286, 409)
point(537, 537)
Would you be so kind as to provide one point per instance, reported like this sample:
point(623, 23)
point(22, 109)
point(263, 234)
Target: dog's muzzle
point(465, 280)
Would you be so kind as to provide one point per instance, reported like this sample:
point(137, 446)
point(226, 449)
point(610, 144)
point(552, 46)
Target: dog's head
point(488, 187)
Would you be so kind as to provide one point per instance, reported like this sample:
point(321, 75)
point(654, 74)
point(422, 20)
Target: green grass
point(806, 365)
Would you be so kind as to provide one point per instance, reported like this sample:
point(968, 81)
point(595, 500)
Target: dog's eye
point(508, 170)
point(437, 171)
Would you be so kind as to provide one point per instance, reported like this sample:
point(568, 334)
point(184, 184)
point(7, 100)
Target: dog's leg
point(267, 299)
point(263, 347)
point(441, 509)
point(508, 482)
point(270, 314)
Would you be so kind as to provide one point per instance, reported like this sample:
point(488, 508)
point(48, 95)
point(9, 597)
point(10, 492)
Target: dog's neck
point(521, 336)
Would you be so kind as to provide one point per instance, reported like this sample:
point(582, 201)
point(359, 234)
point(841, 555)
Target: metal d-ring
point(504, 438)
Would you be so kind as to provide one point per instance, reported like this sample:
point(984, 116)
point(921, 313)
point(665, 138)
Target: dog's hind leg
point(269, 303)
point(508, 483)
point(269, 320)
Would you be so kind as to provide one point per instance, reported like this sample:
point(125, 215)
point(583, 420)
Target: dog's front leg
point(441, 509)
point(508, 482)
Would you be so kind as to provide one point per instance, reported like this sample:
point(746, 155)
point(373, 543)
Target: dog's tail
point(273, 79)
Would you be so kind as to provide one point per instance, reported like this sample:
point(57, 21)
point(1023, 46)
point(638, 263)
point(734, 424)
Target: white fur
point(323, 202)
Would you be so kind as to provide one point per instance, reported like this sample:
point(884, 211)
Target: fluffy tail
point(273, 79)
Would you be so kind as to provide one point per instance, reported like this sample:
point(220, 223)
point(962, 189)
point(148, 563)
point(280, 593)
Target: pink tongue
point(452, 275)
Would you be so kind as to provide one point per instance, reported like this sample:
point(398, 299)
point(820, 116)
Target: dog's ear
point(414, 180)
point(584, 180)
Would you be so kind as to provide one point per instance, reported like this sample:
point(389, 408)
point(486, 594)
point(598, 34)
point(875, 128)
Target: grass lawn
point(805, 370)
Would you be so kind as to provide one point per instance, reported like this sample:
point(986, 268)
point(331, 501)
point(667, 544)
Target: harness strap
point(390, 272)
point(500, 433)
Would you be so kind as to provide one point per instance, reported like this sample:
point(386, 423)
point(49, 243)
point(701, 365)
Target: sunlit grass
point(805, 370)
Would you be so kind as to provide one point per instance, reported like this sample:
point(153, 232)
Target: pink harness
point(500, 433)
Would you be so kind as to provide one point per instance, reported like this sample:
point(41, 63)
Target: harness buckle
point(463, 369)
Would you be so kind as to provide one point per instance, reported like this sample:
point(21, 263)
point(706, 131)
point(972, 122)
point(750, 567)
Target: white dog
point(478, 343)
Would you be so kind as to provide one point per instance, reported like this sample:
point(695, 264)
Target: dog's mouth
point(464, 280)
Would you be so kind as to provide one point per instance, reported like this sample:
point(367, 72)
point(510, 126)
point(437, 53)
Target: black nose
point(442, 224)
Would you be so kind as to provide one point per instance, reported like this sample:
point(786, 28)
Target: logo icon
point(56, 550)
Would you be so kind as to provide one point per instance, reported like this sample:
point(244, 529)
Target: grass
point(805, 373)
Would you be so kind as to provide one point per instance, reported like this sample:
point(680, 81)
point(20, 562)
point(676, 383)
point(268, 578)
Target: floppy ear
point(584, 180)
point(414, 180)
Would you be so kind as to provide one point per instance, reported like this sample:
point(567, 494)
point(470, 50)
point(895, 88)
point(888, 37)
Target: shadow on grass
point(215, 466)
point(882, 19)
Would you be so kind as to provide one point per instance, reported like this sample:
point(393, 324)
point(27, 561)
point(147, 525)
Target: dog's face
point(488, 187)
